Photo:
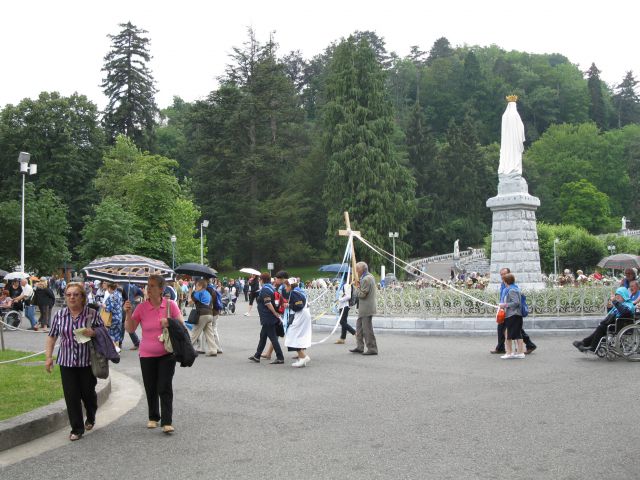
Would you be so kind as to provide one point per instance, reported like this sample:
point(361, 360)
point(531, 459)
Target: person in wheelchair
point(622, 308)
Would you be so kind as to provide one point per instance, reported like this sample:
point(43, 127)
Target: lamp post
point(25, 168)
point(555, 259)
point(173, 251)
point(612, 250)
point(204, 224)
point(393, 236)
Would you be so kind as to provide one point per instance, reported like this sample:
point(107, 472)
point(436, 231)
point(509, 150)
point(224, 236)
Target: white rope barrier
point(411, 269)
point(22, 358)
point(11, 327)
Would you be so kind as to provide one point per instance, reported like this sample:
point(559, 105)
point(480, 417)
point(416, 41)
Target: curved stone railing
point(434, 302)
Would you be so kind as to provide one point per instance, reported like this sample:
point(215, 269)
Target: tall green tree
point(364, 176)
point(45, 232)
point(251, 138)
point(64, 138)
point(130, 88)
point(597, 110)
point(627, 102)
point(146, 187)
point(110, 230)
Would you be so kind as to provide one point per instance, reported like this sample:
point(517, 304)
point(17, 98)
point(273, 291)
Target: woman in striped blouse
point(78, 381)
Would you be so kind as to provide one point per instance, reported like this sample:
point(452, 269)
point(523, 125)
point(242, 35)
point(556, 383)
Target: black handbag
point(193, 317)
point(280, 329)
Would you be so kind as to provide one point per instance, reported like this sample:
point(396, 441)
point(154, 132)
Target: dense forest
point(283, 144)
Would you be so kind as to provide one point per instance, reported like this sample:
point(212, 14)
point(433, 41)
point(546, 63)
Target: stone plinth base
point(514, 237)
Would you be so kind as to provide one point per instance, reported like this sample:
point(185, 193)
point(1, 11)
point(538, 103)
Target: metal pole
point(394, 257)
point(555, 261)
point(173, 255)
point(22, 229)
point(201, 246)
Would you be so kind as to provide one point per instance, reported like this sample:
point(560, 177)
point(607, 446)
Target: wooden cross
point(346, 233)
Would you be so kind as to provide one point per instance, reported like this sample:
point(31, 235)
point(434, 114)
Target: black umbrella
point(196, 270)
point(127, 268)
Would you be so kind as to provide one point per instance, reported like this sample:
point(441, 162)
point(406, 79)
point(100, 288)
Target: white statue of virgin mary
point(511, 144)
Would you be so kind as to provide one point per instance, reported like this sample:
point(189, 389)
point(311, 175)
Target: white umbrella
point(250, 271)
point(16, 276)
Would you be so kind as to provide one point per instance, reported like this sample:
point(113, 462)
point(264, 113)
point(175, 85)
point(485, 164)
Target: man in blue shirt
point(525, 338)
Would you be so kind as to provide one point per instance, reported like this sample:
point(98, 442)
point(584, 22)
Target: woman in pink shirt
point(157, 365)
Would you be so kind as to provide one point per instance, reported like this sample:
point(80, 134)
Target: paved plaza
point(425, 408)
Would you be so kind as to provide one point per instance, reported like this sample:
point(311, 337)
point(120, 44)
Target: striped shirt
point(72, 353)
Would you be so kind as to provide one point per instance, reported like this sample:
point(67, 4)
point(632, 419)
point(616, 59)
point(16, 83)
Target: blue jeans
point(30, 313)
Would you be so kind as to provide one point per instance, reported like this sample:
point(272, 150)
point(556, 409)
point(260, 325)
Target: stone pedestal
point(514, 238)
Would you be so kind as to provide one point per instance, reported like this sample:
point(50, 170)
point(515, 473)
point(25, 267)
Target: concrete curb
point(469, 326)
point(42, 421)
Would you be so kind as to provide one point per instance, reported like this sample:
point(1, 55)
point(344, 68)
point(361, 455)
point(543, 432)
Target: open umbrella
point(620, 261)
point(334, 267)
point(250, 271)
point(127, 268)
point(3, 273)
point(196, 270)
point(16, 276)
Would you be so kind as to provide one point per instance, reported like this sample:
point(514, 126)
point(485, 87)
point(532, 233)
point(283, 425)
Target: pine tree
point(423, 160)
point(627, 102)
point(130, 87)
point(597, 111)
point(364, 176)
point(441, 48)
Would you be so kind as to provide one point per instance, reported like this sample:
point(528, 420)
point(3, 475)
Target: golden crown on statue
point(512, 98)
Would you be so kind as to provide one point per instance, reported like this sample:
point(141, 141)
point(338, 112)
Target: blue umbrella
point(334, 267)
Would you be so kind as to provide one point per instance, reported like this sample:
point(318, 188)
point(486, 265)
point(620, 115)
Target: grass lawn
point(26, 387)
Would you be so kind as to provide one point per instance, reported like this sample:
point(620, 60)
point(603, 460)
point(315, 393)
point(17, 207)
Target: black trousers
point(344, 316)
point(525, 338)
point(79, 387)
point(601, 330)
point(157, 376)
point(269, 331)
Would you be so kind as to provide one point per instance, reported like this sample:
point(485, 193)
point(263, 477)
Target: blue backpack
point(217, 303)
point(524, 308)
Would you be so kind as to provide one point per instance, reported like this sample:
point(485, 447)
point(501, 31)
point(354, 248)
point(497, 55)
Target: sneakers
point(168, 429)
point(118, 350)
point(340, 341)
point(518, 355)
point(246, 314)
point(277, 361)
point(253, 358)
point(507, 356)
point(152, 424)
point(302, 362)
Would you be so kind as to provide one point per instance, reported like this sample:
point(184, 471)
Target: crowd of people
point(98, 310)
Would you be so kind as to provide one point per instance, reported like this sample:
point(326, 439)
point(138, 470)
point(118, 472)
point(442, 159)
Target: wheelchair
point(228, 306)
point(622, 340)
point(11, 318)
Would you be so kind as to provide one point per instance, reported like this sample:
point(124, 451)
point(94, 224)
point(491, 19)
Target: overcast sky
point(60, 45)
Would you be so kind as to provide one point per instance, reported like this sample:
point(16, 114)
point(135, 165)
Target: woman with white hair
point(298, 336)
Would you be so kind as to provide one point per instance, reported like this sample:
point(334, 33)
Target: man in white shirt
point(25, 298)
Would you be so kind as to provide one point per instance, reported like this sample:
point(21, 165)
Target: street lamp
point(393, 236)
point(555, 259)
point(204, 224)
point(25, 168)
point(612, 250)
point(173, 251)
